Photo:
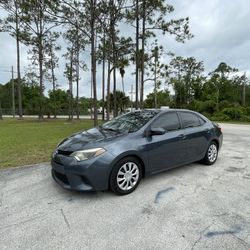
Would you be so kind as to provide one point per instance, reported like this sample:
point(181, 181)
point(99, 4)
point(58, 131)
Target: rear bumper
point(220, 141)
point(89, 175)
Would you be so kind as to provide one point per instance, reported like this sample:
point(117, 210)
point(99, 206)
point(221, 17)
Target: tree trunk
point(142, 53)
point(77, 85)
point(53, 82)
point(40, 80)
point(244, 90)
point(19, 84)
point(70, 86)
point(77, 75)
point(108, 92)
point(123, 85)
point(113, 37)
point(40, 59)
point(103, 82)
point(114, 92)
point(155, 82)
point(77, 91)
point(137, 56)
point(1, 112)
point(93, 59)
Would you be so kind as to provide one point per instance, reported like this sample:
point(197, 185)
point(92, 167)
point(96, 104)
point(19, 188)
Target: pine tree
point(39, 24)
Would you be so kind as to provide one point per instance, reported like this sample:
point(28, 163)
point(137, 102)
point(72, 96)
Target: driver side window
point(168, 122)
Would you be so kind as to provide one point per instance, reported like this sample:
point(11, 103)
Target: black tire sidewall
point(113, 177)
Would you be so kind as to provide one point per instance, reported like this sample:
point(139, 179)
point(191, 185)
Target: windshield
point(130, 122)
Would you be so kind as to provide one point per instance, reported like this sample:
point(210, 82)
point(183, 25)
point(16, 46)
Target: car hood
point(95, 137)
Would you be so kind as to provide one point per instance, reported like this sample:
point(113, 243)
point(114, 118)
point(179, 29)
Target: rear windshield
point(130, 122)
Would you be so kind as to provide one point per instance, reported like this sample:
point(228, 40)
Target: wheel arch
point(216, 141)
point(131, 154)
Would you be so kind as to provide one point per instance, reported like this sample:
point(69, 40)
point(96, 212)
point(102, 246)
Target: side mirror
point(155, 131)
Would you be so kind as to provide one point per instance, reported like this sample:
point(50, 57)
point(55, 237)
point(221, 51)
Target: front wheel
point(211, 154)
point(125, 176)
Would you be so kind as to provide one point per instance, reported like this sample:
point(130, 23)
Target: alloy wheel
point(127, 176)
point(212, 153)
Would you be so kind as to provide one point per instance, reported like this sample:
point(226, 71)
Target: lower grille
point(61, 177)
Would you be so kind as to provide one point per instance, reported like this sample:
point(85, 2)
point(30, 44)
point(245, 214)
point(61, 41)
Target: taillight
point(219, 127)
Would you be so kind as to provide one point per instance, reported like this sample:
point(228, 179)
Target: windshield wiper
point(110, 129)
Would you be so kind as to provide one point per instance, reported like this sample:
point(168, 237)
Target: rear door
point(196, 132)
point(167, 150)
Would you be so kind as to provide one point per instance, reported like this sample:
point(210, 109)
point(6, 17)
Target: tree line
point(93, 28)
point(223, 94)
point(58, 102)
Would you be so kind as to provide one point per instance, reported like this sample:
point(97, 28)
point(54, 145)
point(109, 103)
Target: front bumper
point(89, 175)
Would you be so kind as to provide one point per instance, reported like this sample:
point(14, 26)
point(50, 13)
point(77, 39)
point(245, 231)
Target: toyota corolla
point(118, 154)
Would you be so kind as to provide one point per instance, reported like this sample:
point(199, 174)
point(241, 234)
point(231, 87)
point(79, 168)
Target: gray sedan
point(119, 153)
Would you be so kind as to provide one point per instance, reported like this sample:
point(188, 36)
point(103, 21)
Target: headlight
point(83, 155)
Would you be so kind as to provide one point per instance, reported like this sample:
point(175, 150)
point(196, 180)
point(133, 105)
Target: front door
point(167, 150)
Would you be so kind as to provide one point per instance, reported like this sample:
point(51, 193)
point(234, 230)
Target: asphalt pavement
point(191, 207)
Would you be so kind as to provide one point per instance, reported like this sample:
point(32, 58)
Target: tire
point(125, 176)
point(211, 154)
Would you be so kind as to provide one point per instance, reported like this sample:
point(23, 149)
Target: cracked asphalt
point(192, 207)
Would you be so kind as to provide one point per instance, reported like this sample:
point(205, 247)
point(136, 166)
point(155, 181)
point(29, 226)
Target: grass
point(28, 141)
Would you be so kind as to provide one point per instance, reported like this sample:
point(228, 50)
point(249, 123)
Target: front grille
point(67, 153)
point(61, 177)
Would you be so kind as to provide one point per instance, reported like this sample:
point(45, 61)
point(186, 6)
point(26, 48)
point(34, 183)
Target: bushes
point(223, 111)
point(224, 104)
point(227, 111)
point(247, 111)
point(233, 114)
point(206, 107)
point(218, 116)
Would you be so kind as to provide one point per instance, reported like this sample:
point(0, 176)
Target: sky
point(221, 34)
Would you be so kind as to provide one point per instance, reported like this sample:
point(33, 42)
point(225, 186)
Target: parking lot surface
point(191, 207)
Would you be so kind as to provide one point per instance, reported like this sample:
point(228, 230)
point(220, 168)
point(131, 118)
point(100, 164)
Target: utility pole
point(13, 92)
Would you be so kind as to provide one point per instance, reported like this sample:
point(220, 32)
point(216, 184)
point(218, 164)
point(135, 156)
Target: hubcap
point(212, 153)
point(127, 176)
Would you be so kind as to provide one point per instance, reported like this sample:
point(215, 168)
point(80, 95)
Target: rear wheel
point(211, 154)
point(125, 176)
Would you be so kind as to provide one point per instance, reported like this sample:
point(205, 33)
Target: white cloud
point(221, 33)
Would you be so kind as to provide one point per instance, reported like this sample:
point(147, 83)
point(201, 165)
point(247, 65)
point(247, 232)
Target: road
point(192, 207)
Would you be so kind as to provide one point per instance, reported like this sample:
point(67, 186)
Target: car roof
point(168, 110)
point(165, 110)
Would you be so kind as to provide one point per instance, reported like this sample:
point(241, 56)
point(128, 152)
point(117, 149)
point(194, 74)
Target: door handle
point(182, 136)
point(207, 130)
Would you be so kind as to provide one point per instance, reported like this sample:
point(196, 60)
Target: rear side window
point(201, 120)
point(168, 121)
point(190, 120)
